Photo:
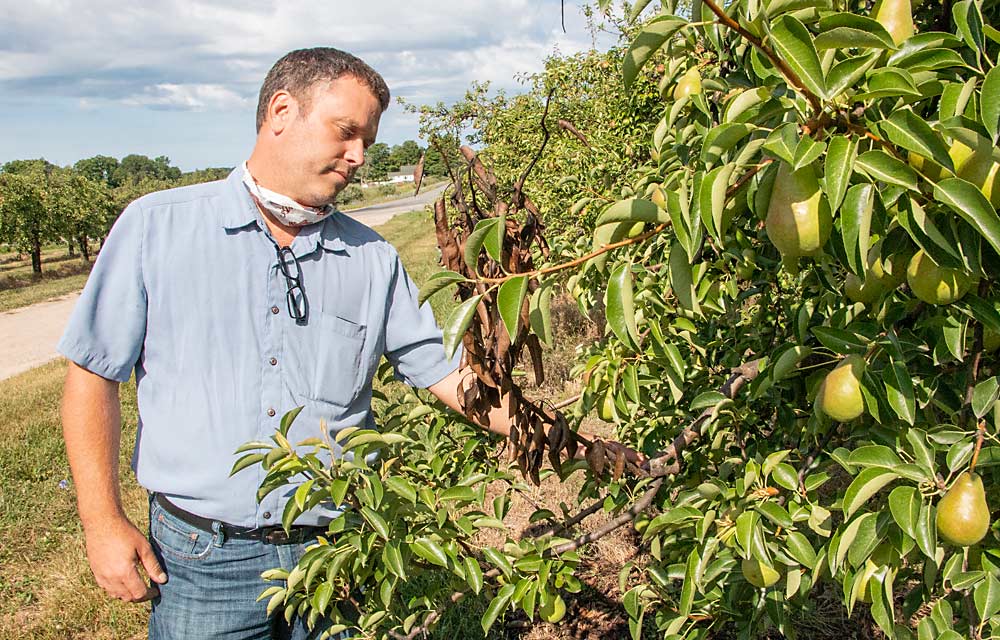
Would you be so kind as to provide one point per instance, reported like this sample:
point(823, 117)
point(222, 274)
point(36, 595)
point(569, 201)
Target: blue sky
point(180, 77)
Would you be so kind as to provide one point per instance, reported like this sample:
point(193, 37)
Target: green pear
point(689, 84)
point(897, 18)
point(963, 518)
point(934, 284)
point(839, 396)
point(798, 219)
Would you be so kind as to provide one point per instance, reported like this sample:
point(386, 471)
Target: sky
point(180, 77)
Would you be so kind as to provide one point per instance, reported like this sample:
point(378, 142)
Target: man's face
point(324, 143)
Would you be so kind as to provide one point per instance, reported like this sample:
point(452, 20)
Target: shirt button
point(267, 515)
point(274, 309)
point(270, 412)
point(273, 361)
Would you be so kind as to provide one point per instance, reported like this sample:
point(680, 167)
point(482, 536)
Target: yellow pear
point(982, 170)
point(759, 574)
point(934, 284)
point(897, 18)
point(880, 277)
point(963, 518)
point(798, 219)
point(959, 153)
point(839, 396)
point(861, 587)
point(689, 84)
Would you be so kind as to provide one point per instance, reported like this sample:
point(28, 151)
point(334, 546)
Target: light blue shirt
point(187, 293)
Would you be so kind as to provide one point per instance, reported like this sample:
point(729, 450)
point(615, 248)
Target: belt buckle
point(277, 535)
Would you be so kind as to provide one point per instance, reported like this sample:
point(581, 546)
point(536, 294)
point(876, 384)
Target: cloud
point(193, 97)
point(201, 55)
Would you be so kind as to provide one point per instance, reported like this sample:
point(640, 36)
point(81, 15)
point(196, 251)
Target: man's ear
point(281, 109)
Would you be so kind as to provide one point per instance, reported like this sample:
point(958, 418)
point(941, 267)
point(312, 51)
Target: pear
point(980, 168)
point(880, 277)
point(689, 84)
point(959, 153)
point(798, 219)
point(839, 396)
point(934, 284)
point(963, 518)
point(759, 574)
point(897, 18)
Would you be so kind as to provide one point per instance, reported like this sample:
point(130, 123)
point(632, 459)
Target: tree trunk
point(36, 254)
point(84, 249)
point(72, 249)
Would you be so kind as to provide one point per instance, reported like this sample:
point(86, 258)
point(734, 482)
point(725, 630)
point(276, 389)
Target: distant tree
point(434, 164)
point(135, 167)
point(403, 154)
point(81, 207)
point(203, 175)
point(376, 166)
point(99, 169)
point(25, 222)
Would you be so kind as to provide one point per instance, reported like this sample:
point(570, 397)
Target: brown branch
point(741, 375)
point(785, 70)
point(519, 185)
point(626, 517)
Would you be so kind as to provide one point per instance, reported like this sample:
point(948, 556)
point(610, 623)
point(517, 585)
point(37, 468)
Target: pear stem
point(979, 445)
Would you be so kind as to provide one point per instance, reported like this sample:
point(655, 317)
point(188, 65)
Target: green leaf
point(807, 151)
point(720, 139)
point(620, 306)
point(402, 488)
point(908, 130)
point(633, 210)
point(377, 522)
point(865, 485)
point(987, 597)
point(990, 102)
point(510, 300)
point(875, 455)
point(499, 560)
point(799, 548)
point(969, 23)
point(322, 596)
point(681, 279)
point(888, 83)
point(984, 396)
point(474, 243)
point(437, 282)
point(538, 312)
point(841, 341)
point(926, 531)
point(899, 391)
point(712, 200)
point(776, 514)
point(904, 504)
point(846, 73)
point(246, 461)
point(784, 474)
point(840, 158)
point(707, 399)
point(787, 362)
point(393, 559)
point(783, 141)
point(473, 574)
point(881, 166)
point(653, 36)
point(970, 203)
point(289, 418)
point(689, 588)
point(429, 551)
point(848, 30)
point(458, 322)
point(497, 606)
point(855, 221)
point(795, 46)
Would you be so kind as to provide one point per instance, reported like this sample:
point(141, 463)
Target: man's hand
point(115, 551)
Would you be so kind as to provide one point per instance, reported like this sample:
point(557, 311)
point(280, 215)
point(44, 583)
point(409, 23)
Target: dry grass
point(61, 274)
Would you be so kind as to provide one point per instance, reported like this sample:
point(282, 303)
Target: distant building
point(405, 173)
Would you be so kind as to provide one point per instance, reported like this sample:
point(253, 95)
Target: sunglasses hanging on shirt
point(295, 297)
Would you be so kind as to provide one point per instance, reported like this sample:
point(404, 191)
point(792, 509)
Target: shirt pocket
point(338, 372)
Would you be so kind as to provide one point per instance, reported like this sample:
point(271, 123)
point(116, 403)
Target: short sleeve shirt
point(188, 294)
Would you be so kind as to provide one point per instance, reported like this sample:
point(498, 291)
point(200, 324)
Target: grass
point(61, 274)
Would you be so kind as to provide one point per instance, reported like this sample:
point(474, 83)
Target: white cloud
point(195, 97)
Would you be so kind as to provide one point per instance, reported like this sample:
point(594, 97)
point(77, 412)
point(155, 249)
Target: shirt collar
point(243, 212)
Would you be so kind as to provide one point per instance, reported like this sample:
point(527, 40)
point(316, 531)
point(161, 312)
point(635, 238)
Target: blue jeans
point(213, 584)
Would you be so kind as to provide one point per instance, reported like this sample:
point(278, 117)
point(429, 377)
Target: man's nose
point(355, 153)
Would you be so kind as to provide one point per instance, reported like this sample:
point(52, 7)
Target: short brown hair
point(298, 71)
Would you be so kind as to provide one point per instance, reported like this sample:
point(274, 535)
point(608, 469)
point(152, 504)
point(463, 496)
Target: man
point(233, 302)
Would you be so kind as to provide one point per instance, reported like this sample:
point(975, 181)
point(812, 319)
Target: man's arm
point(447, 392)
point(91, 416)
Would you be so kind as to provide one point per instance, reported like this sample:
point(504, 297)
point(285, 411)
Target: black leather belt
point(267, 535)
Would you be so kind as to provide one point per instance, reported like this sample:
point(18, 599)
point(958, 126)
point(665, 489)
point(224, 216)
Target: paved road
point(28, 336)
point(380, 213)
